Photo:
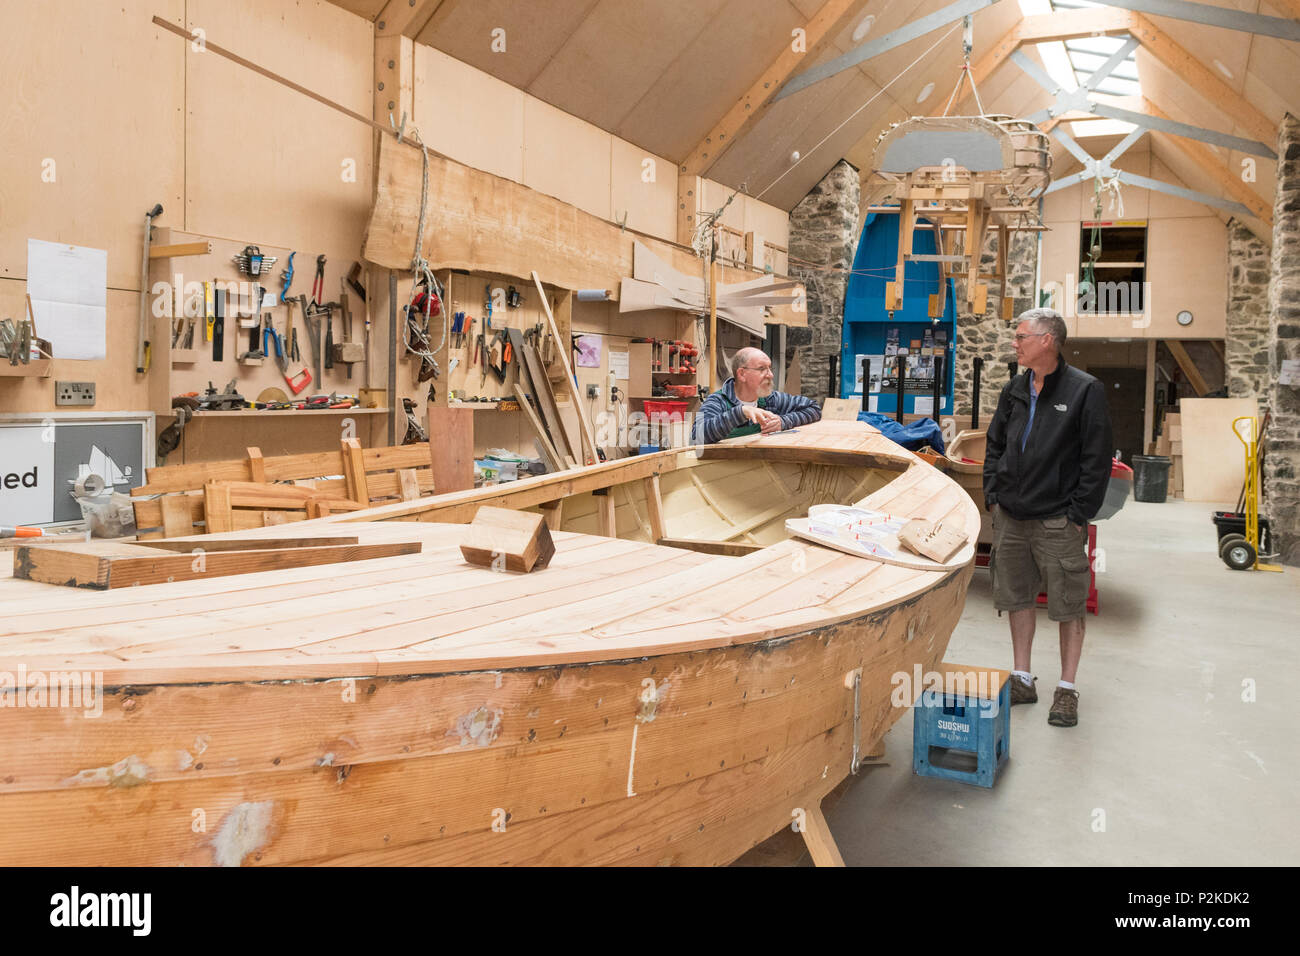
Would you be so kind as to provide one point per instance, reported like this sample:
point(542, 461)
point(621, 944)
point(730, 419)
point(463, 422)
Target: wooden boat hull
point(571, 764)
point(676, 707)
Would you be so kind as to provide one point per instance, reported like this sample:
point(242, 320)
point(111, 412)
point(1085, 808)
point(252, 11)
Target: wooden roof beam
point(733, 124)
point(1072, 25)
point(1201, 78)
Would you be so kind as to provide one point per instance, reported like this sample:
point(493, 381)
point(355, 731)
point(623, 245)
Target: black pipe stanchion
point(902, 370)
point(866, 385)
point(936, 409)
point(833, 375)
point(977, 367)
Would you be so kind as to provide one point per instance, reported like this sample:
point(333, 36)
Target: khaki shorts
point(1030, 557)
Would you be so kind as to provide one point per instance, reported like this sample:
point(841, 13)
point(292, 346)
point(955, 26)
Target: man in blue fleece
point(747, 403)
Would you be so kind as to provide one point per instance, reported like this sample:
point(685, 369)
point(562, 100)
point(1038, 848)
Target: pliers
point(269, 336)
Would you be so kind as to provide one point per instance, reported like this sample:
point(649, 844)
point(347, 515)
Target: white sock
point(1025, 678)
point(1066, 684)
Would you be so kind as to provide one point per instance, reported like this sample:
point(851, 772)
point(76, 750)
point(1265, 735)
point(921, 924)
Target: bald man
point(747, 403)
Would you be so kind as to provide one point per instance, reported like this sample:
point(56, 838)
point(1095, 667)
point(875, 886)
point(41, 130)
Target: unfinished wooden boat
point(632, 703)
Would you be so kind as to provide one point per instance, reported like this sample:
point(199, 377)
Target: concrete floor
point(1185, 772)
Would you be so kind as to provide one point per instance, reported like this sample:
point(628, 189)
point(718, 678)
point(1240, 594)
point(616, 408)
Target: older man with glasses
point(748, 404)
point(1045, 473)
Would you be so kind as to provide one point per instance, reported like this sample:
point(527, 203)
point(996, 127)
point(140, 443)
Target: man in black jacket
point(1045, 473)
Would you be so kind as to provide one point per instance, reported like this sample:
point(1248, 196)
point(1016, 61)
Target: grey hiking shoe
point(1065, 708)
point(1022, 693)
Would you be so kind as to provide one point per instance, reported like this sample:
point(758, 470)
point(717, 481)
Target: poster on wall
point(40, 465)
point(874, 370)
point(69, 290)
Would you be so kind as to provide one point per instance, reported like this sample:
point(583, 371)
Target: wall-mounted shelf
point(36, 368)
point(295, 413)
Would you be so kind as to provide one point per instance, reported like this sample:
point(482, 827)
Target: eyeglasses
point(1021, 336)
point(757, 368)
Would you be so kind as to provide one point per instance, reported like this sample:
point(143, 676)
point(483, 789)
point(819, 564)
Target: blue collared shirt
point(1033, 404)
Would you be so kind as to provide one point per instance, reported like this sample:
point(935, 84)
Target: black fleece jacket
point(1066, 462)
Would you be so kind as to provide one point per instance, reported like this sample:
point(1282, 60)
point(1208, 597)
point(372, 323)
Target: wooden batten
point(102, 567)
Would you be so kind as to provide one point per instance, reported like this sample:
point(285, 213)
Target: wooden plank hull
point(685, 758)
point(628, 704)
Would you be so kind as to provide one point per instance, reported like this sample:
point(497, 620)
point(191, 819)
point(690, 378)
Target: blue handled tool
point(286, 276)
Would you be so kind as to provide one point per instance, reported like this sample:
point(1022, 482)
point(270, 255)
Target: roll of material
point(90, 486)
point(594, 295)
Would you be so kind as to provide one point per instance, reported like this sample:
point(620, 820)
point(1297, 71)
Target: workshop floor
point(1169, 765)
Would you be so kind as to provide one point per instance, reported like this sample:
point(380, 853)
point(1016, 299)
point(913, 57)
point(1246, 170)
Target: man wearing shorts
point(1045, 474)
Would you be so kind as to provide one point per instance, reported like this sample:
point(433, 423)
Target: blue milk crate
point(963, 725)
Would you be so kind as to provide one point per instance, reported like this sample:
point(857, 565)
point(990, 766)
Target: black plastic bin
point(1151, 477)
point(1233, 522)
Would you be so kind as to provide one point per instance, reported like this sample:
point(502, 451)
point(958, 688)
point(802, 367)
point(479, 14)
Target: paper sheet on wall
point(69, 290)
point(874, 366)
point(618, 364)
point(923, 405)
point(1289, 373)
point(589, 351)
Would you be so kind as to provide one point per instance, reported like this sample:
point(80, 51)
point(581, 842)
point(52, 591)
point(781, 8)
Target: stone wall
point(1247, 331)
point(989, 335)
point(823, 235)
point(1282, 454)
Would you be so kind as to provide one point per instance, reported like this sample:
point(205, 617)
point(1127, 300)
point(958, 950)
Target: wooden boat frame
point(633, 703)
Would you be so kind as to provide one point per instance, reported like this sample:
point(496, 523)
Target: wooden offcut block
point(930, 540)
point(841, 409)
point(504, 539)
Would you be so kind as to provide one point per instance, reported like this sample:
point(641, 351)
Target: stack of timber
point(255, 492)
point(1170, 444)
point(676, 685)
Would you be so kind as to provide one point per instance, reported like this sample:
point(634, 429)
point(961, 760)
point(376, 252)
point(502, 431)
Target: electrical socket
point(593, 391)
point(74, 393)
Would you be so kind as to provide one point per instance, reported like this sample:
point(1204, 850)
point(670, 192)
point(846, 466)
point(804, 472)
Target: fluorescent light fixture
point(1033, 8)
point(925, 93)
point(864, 27)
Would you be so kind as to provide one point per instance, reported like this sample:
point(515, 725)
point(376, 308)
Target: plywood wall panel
point(117, 387)
point(637, 42)
point(566, 157)
point(1214, 459)
point(1187, 269)
point(264, 164)
point(712, 67)
point(1164, 206)
point(468, 115)
point(93, 99)
point(534, 31)
point(650, 205)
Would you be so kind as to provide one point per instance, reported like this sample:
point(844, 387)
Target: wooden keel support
point(817, 836)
